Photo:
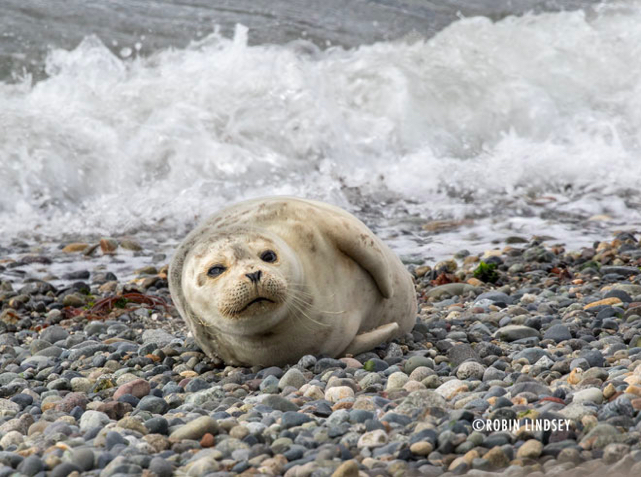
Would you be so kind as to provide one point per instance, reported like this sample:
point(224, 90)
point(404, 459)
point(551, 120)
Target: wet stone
point(153, 404)
point(557, 333)
point(516, 332)
point(279, 403)
point(83, 458)
point(293, 377)
point(375, 365)
point(196, 429)
point(161, 467)
point(157, 425)
point(293, 419)
point(31, 466)
point(327, 363)
point(53, 334)
point(64, 469)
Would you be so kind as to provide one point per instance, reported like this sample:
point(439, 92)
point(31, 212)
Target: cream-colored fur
point(332, 289)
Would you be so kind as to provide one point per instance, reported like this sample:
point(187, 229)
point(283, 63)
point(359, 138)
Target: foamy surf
point(528, 125)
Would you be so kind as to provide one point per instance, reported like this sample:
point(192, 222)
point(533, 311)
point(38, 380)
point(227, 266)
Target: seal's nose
point(254, 277)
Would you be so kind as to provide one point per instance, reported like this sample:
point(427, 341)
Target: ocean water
point(501, 124)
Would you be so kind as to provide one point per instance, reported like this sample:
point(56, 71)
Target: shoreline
point(105, 387)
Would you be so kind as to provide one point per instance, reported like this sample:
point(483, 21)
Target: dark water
point(30, 28)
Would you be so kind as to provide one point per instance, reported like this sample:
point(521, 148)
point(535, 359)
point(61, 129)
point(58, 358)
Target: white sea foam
point(523, 124)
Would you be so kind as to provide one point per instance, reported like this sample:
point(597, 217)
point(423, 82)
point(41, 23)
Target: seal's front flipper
point(370, 339)
point(355, 240)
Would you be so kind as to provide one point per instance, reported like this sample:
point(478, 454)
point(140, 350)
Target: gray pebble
point(31, 465)
point(64, 469)
point(153, 404)
point(54, 333)
point(161, 467)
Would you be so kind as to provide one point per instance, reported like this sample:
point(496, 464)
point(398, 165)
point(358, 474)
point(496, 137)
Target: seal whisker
point(314, 308)
point(290, 307)
point(299, 308)
point(202, 322)
point(310, 294)
point(301, 302)
point(318, 310)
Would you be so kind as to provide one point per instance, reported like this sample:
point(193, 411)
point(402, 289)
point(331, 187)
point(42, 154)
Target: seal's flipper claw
point(370, 339)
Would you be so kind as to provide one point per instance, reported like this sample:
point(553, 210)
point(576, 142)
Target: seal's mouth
point(256, 300)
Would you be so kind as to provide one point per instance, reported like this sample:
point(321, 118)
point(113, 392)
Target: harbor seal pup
point(267, 281)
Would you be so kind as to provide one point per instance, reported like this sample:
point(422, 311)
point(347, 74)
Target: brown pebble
point(609, 391)
point(575, 376)
point(70, 401)
point(28, 452)
point(342, 405)
point(636, 404)
point(421, 448)
point(116, 410)
point(208, 440)
point(633, 389)
point(298, 401)
point(605, 301)
point(75, 247)
point(157, 441)
point(36, 427)
point(153, 357)
point(614, 396)
point(348, 468)
point(238, 432)
point(108, 245)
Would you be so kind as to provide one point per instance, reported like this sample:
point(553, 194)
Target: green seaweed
point(590, 264)
point(486, 272)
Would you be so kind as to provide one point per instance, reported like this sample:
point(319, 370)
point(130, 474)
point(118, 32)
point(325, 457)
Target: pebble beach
point(493, 145)
point(99, 376)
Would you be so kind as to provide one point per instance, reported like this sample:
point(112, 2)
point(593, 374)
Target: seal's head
point(238, 282)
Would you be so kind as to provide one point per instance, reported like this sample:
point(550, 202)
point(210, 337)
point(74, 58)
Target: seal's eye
point(216, 270)
point(268, 256)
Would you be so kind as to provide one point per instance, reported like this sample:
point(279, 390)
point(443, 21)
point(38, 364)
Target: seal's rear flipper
point(370, 339)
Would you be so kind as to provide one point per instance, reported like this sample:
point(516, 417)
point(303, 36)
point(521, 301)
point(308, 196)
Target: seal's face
point(239, 283)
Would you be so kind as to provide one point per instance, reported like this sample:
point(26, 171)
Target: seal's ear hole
point(268, 256)
point(216, 270)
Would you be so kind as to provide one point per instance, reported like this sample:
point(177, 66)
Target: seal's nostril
point(254, 277)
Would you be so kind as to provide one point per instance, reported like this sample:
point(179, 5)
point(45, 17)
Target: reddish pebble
point(207, 440)
point(552, 399)
point(72, 400)
point(352, 363)
point(137, 387)
point(253, 384)
point(115, 409)
point(614, 396)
